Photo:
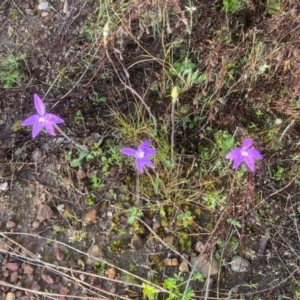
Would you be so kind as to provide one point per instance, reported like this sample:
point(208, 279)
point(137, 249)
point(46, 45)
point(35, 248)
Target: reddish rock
point(14, 277)
point(59, 254)
point(47, 278)
point(10, 225)
point(45, 212)
point(28, 269)
point(12, 266)
point(35, 286)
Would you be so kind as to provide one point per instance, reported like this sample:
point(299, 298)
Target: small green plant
point(134, 213)
point(150, 291)
point(173, 285)
point(214, 198)
point(234, 222)
point(11, 74)
point(224, 141)
point(78, 119)
point(187, 71)
point(96, 182)
point(185, 218)
point(280, 174)
point(89, 200)
point(273, 6)
point(78, 236)
point(231, 6)
point(116, 246)
point(106, 155)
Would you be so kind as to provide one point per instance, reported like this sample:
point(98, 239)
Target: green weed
point(11, 73)
point(231, 6)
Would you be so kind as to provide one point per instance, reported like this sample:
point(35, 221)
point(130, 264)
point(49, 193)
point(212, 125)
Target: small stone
point(28, 269)
point(64, 291)
point(44, 14)
point(4, 186)
point(81, 174)
point(5, 273)
point(57, 279)
point(45, 212)
point(14, 277)
point(35, 224)
point(82, 277)
point(204, 265)
point(90, 216)
point(47, 278)
point(10, 296)
point(239, 264)
point(156, 225)
point(10, 224)
point(136, 242)
point(123, 219)
point(3, 246)
point(200, 247)
point(35, 286)
point(95, 251)
point(36, 155)
point(12, 266)
point(148, 221)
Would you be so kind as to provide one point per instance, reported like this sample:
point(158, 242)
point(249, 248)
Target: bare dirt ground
point(78, 224)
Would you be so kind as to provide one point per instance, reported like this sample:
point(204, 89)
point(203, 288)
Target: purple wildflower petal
point(31, 120)
point(39, 105)
point(139, 164)
point(53, 118)
point(49, 127)
point(148, 163)
point(247, 143)
point(249, 161)
point(128, 151)
point(233, 153)
point(36, 129)
point(144, 146)
point(150, 151)
point(255, 153)
point(237, 162)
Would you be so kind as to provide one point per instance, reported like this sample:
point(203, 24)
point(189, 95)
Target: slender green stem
point(71, 140)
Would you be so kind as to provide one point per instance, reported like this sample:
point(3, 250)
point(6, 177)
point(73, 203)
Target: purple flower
point(41, 119)
point(244, 154)
point(141, 155)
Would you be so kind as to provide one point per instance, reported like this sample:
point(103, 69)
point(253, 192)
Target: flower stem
point(71, 140)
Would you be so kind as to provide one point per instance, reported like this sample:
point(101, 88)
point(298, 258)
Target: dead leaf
point(90, 216)
point(184, 267)
point(169, 240)
point(171, 261)
point(111, 273)
point(94, 251)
